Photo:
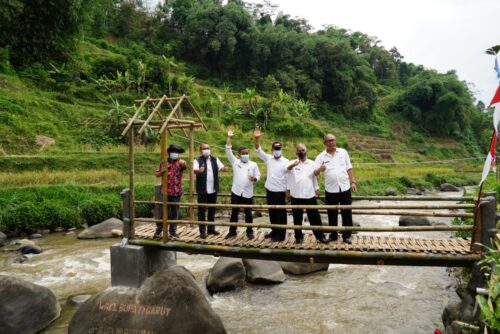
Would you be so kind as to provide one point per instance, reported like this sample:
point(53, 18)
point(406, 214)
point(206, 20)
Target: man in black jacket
point(207, 167)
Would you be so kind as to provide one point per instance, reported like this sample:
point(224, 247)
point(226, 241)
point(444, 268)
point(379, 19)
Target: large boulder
point(101, 230)
point(3, 239)
point(448, 187)
point(168, 302)
point(302, 268)
point(414, 221)
point(264, 272)
point(226, 274)
point(26, 246)
point(25, 307)
point(391, 191)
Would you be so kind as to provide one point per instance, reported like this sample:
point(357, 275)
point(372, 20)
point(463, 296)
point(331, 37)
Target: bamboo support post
point(191, 171)
point(171, 114)
point(164, 185)
point(324, 228)
point(131, 162)
point(125, 195)
point(198, 115)
point(158, 99)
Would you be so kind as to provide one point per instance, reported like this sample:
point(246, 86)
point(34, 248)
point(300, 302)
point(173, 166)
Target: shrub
point(25, 217)
point(59, 214)
point(96, 210)
point(293, 127)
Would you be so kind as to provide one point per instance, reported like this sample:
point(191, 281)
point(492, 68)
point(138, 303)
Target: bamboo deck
point(364, 243)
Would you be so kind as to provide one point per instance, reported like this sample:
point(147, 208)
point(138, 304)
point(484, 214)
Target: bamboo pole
point(328, 207)
point(379, 213)
point(197, 114)
point(158, 99)
point(388, 198)
point(152, 114)
point(323, 228)
point(172, 113)
point(131, 166)
point(191, 171)
point(164, 185)
point(135, 115)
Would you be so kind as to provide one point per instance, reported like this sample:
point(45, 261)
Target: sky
point(438, 34)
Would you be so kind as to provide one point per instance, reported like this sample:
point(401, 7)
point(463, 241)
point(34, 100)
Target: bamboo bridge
point(370, 244)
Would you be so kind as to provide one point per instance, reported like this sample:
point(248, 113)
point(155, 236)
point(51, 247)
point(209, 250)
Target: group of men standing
point(295, 179)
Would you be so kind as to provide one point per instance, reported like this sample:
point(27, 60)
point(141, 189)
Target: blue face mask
point(244, 157)
point(277, 153)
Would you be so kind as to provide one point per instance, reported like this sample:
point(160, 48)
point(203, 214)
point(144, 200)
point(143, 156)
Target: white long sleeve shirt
point(302, 182)
point(242, 186)
point(337, 165)
point(210, 173)
point(276, 171)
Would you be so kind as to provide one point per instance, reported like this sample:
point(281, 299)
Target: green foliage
point(96, 210)
point(490, 306)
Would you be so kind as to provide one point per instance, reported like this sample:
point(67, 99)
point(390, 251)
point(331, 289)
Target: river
point(344, 299)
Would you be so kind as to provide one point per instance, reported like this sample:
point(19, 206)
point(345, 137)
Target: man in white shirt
point(207, 167)
point(275, 184)
point(339, 180)
point(245, 174)
point(303, 187)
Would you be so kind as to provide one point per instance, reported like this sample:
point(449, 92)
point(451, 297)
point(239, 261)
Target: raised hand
point(295, 163)
point(322, 168)
point(202, 168)
point(257, 133)
point(230, 133)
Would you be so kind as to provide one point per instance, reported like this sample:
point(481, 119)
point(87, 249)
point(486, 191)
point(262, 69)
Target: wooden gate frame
point(163, 115)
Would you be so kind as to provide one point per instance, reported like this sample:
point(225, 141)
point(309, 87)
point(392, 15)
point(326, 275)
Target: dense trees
point(330, 71)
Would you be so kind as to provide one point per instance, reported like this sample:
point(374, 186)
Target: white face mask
point(174, 155)
point(244, 157)
point(277, 153)
point(205, 152)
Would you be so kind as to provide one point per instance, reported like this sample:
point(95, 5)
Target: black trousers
point(210, 199)
point(173, 213)
point(277, 216)
point(312, 214)
point(343, 198)
point(235, 199)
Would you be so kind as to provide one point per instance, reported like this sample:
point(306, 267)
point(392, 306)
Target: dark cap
point(276, 146)
point(175, 148)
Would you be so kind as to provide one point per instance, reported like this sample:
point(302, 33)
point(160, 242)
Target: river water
point(344, 299)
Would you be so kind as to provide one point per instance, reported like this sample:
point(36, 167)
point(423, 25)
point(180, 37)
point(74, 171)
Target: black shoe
point(173, 234)
point(157, 235)
point(333, 237)
point(278, 239)
point(323, 240)
point(230, 235)
point(250, 235)
point(269, 235)
point(203, 235)
point(347, 240)
point(214, 232)
point(299, 240)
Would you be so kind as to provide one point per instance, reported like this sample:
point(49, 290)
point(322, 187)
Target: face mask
point(174, 156)
point(205, 153)
point(277, 153)
point(244, 157)
point(301, 155)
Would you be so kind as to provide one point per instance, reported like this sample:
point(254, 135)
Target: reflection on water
point(344, 299)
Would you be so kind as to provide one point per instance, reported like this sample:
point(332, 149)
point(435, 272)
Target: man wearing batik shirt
point(175, 167)
point(339, 181)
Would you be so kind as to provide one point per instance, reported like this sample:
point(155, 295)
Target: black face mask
point(301, 155)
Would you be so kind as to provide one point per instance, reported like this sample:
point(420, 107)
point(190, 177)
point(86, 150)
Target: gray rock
point(30, 249)
point(25, 307)
point(411, 191)
point(20, 259)
point(78, 299)
point(448, 187)
point(71, 229)
point(36, 236)
point(3, 239)
point(302, 268)
point(24, 242)
point(170, 301)
point(264, 272)
point(226, 274)
point(451, 313)
point(414, 221)
point(70, 233)
point(391, 191)
point(101, 230)
point(59, 229)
